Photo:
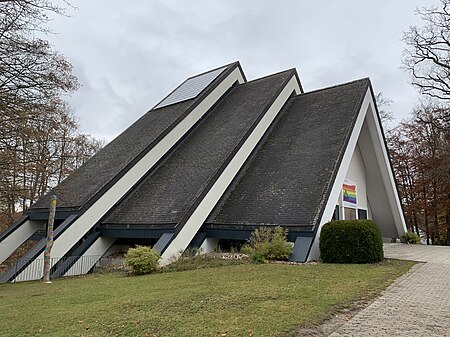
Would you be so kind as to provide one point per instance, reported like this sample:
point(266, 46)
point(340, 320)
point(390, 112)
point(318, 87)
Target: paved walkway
point(419, 253)
point(418, 304)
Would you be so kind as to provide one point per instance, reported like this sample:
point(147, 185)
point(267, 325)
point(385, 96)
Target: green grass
point(269, 300)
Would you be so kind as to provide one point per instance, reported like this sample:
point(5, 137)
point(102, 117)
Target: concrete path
point(419, 253)
point(418, 304)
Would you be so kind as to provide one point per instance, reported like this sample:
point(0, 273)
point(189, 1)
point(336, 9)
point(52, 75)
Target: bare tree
point(427, 56)
point(40, 141)
point(31, 73)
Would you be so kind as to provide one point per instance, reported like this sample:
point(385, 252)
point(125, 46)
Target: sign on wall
point(349, 193)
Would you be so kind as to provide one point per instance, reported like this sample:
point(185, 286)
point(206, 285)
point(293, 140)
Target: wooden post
point(48, 247)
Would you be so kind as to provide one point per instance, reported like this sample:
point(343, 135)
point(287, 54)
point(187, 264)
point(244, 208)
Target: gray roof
point(171, 189)
point(110, 163)
point(288, 179)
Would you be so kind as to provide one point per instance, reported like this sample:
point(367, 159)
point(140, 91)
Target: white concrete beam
point(91, 256)
point(92, 215)
point(13, 241)
point(193, 224)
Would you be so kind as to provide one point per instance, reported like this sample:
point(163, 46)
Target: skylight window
point(190, 88)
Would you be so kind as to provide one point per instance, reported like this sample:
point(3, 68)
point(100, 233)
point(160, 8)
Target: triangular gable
point(382, 194)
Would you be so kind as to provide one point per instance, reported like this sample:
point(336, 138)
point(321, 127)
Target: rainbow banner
point(349, 192)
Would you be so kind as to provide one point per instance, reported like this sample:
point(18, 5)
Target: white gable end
point(365, 162)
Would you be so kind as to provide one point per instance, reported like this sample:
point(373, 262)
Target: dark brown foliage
point(420, 152)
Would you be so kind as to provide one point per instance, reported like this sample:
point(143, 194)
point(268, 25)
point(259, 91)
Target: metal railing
point(29, 270)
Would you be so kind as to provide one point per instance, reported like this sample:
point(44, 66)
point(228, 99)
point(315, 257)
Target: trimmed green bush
point(411, 237)
point(142, 260)
point(351, 241)
point(267, 243)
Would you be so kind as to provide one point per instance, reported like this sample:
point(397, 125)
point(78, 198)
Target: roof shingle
point(98, 171)
point(168, 192)
point(106, 166)
point(287, 179)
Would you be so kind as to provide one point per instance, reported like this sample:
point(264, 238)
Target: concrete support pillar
point(208, 245)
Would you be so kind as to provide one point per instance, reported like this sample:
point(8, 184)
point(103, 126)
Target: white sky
point(128, 55)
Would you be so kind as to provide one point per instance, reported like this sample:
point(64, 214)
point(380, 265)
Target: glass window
point(336, 213)
point(349, 213)
point(362, 214)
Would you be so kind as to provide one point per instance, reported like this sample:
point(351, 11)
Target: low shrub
point(411, 237)
point(267, 243)
point(142, 260)
point(351, 241)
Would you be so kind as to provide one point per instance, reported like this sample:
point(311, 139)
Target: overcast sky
point(128, 55)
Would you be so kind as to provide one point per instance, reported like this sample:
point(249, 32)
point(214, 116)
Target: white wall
point(357, 174)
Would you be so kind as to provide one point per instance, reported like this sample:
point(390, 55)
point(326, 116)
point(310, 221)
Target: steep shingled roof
point(166, 194)
point(114, 157)
point(287, 180)
point(121, 153)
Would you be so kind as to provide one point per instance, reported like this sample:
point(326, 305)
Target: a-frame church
point(217, 158)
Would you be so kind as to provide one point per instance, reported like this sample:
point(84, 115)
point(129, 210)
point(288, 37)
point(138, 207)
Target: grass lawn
point(239, 300)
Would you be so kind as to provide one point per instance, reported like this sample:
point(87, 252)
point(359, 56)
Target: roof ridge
point(364, 79)
point(235, 63)
point(271, 75)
